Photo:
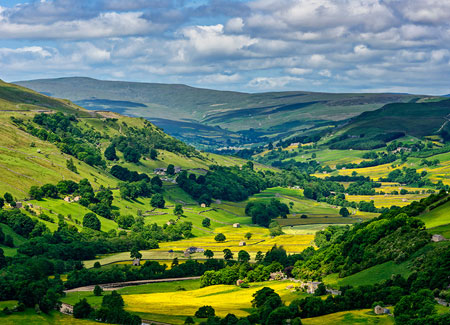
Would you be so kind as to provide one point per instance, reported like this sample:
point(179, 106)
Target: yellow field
point(260, 241)
point(223, 298)
point(388, 200)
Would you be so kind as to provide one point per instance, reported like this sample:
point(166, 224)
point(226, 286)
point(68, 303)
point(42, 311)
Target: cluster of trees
point(365, 245)
point(407, 176)
point(99, 202)
point(71, 139)
point(364, 142)
point(363, 188)
point(380, 160)
point(111, 311)
point(263, 212)
point(137, 142)
point(226, 183)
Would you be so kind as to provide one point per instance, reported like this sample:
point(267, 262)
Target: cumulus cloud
point(319, 45)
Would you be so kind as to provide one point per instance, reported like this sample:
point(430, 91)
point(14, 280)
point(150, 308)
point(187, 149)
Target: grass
point(307, 229)
point(437, 217)
point(372, 275)
point(441, 230)
point(362, 316)
point(17, 239)
point(29, 316)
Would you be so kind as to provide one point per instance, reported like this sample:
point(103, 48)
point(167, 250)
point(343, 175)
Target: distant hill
point(396, 120)
point(242, 117)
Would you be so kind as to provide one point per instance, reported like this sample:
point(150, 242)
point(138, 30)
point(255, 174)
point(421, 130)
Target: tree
point(2, 236)
point(2, 202)
point(344, 212)
point(2, 259)
point(206, 222)
point(259, 256)
point(82, 309)
point(90, 220)
point(227, 254)
point(131, 155)
point(170, 169)
point(243, 256)
point(110, 152)
point(98, 290)
point(125, 221)
point(156, 181)
point(220, 237)
point(8, 197)
point(178, 210)
point(209, 253)
point(414, 307)
point(157, 201)
point(321, 290)
point(205, 312)
point(153, 154)
point(248, 235)
point(134, 253)
point(71, 166)
point(35, 193)
point(189, 321)
point(9, 241)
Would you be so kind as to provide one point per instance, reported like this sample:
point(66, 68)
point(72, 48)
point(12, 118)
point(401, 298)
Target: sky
point(252, 46)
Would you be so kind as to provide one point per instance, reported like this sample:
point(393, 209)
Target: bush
point(205, 312)
point(82, 309)
point(90, 220)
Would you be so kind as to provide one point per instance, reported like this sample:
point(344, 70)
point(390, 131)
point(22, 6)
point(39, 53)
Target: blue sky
point(254, 46)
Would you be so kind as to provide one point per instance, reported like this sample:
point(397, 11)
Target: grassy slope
point(363, 316)
point(437, 217)
point(17, 239)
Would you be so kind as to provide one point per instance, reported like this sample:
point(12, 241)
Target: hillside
point(395, 121)
point(211, 118)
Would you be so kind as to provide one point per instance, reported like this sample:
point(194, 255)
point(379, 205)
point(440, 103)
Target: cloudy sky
point(260, 45)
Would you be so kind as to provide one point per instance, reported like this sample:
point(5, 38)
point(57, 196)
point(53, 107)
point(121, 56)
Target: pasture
point(437, 217)
point(362, 316)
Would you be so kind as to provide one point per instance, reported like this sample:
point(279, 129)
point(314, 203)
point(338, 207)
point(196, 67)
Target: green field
point(363, 316)
point(29, 316)
point(17, 239)
point(437, 217)
point(372, 275)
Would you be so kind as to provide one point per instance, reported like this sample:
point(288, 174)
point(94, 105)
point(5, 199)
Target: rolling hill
point(394, 121)
point(211, 118)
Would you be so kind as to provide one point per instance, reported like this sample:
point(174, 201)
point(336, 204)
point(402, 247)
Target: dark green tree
point(209, 253)
point(98, 290)
point(206, 222)
point(227, 254)
point(90, 220)
point(220, 238)
point(8, 197)
point(243, 256)
point(178, 210)
point(170, 169)
point(344, 212)
point(205, 312)
point(110, 152)
point(157, 201)
point(71, 166)
point(82, 309)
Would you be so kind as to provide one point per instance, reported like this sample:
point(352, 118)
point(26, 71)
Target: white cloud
point(107, 24)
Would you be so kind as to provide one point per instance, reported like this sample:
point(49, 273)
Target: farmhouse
point(311, 286)
point(437, 238)
point(381, 310)
point(19, 205)
point(194, 249)
point(137, 262)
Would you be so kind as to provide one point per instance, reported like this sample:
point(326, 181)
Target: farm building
point(437, 238)
point(381, 310)
point(236, 225)
point(19, 205)
point(137, 262)
point(194, 249)
point(242, 243)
